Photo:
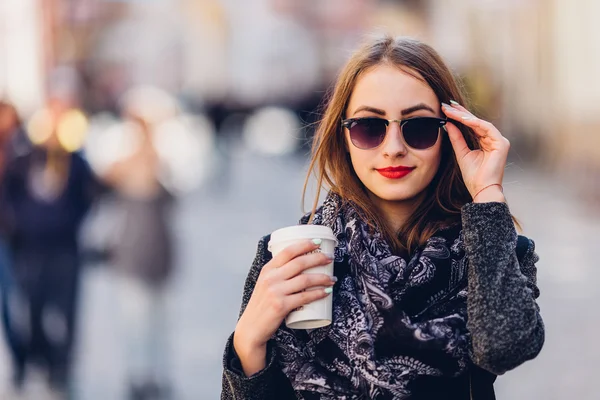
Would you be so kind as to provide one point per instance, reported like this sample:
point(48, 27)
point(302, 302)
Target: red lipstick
point(395, 172)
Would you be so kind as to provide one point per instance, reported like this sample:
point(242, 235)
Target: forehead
point(391, 89)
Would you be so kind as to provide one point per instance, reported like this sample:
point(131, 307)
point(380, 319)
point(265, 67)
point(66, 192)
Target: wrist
point(245, 336)
point(251, 353)
point(490, 194)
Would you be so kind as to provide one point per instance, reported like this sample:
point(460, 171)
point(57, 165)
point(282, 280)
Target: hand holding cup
point(281, 288)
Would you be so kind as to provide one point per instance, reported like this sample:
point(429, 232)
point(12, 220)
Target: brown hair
point(331, 164)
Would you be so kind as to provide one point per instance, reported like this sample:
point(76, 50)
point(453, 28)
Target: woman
point(10, 131)
point(46, 195)
point(434, 292)
point(142, 254)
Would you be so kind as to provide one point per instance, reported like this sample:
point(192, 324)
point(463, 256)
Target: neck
point(396, 213)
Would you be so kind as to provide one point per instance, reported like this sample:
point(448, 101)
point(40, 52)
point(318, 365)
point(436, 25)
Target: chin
point(396, 195)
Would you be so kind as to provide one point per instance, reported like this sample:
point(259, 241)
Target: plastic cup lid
point(302, 232)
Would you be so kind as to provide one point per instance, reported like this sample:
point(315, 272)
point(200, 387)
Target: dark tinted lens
point(421, 133)
point(367, 133)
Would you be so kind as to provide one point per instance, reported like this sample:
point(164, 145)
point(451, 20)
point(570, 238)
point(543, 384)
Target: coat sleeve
point(503, 317)
point(269, 383)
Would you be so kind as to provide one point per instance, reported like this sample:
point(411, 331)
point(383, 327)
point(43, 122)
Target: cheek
point(359, 162)
point(362, 163)
point(430, 164)
point(433, 158)
point(435, 161)
point(357, 158)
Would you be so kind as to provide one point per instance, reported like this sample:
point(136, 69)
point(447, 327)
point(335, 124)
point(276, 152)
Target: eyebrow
point(406, 111)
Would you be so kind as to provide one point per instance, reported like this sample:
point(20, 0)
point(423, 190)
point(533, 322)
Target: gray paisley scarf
point(394, 320)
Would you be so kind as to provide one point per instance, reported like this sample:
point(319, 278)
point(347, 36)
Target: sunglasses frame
point(346, 123)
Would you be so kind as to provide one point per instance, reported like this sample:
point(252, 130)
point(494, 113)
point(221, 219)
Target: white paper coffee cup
point(318, 313)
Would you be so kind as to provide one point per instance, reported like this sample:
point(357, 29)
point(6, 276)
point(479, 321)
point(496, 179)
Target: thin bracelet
point(493, 184)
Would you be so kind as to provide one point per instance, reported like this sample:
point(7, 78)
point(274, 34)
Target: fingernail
point(454, 103)
point(317, 241)
point(329, 290)
point(445, 105)
point(334, 279)
point(330, 256)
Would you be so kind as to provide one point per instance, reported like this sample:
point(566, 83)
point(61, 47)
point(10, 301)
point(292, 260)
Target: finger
point(302, 263)
point(459, 144)
point(307, 281)
point(291, 252)
point(459, 107)
point(481, 128)
point(456, 113)
point(300, 299)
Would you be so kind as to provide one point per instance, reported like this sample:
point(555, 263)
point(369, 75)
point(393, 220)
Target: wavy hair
point(330, 162)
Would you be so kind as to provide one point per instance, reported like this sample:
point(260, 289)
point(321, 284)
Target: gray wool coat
point(503, 317)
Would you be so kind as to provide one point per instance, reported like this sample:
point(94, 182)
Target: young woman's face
point(390, 93)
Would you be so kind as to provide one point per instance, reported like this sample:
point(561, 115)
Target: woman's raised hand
point(482, 169)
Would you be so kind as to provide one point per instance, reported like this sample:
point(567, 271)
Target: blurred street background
point(196, 118)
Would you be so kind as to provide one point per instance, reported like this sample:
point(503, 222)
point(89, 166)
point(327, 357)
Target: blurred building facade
point(527, 64)
point(22, 50)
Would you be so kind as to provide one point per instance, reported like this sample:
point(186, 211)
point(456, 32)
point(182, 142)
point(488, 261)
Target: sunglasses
point(419, 133)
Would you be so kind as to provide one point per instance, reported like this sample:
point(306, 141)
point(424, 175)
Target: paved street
point(218, 228)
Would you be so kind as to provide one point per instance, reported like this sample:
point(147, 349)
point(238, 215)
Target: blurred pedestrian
point(434, 293)
point(142, 255)
point(10, 134)
point(46, 193)
point(13, 140)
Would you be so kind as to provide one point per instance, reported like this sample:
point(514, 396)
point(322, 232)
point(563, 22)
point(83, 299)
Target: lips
point(395, 172)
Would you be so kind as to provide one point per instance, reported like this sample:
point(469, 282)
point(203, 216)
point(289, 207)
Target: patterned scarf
point(393, 320)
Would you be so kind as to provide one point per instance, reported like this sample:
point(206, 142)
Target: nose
point(393, 145)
